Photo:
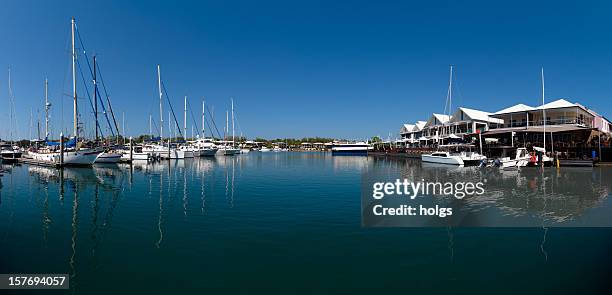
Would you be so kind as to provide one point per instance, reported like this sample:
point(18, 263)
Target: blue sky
point(346, 69)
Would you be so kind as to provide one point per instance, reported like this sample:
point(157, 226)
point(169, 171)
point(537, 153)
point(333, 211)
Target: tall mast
point(543, 109)
point(161, 102)
point(123, 126)
point(95, 95)
point(47, 107)
point(450, 92)
point(185, 118)
point(150, 126)
point(233, 134)
point(203, 128)
point(226, 125)
point(74, 89)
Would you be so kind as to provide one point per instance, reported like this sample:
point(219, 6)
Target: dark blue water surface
point(262, 221)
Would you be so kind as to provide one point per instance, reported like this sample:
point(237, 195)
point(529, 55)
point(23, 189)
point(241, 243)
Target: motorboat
point(206, 147)
point(264, 149)
point(137, 154)
point(350, 149)
point(9, 153)
point(443, 158)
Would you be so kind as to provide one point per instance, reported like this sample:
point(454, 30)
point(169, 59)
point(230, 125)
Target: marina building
point(570, 127)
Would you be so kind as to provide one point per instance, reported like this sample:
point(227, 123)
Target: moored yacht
point(350, 149)
point(9, 153)
point(442, 158)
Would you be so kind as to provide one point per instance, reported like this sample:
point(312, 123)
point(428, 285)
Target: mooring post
point(61, 149)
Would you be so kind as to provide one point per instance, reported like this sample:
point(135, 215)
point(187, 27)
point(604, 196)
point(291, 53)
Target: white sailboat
point(72, 155)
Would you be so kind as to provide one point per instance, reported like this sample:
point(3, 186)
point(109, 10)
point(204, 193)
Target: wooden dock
point(39, 163)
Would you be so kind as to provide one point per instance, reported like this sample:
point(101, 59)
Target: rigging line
point(110, 127)
point(88, 95)
point(192, 116)
point(172, 110)
point(213, 122)
point(103, 85)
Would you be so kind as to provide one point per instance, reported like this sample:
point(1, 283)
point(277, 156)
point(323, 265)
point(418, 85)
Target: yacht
point(189, 151)
point(264, 149)
point(9, 153)
point(350, 149)
point(206, 147)
point(443, 158)
point(137, 154)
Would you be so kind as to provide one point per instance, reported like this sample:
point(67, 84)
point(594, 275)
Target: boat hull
point(350, 152)
point(208, 152)
point(108, 158)
point(451, 160)
point(10, 156)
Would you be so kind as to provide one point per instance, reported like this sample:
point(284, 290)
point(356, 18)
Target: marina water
point(288, 221)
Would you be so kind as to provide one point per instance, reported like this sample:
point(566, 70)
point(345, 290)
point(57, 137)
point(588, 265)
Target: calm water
point(289, 221)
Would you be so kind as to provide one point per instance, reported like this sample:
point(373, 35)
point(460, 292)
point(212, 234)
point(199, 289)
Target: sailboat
point(546, 160)
point(226, 149)
point(73, 154)
point(445, 157)
point(9, 152)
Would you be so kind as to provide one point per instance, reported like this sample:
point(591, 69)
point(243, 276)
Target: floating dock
point(38, 163)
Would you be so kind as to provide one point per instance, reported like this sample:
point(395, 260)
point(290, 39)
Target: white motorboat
point(442, 158)
point(137, 154)
point(189, 151)
point(206, 147)
point(245, 151)
point(350, 149)
point(228, 151)
point(264, 149)
point(9, 153)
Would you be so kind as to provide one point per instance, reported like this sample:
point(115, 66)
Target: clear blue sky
point(348, 69)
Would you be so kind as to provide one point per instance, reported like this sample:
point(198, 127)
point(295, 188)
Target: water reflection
point(515, 197)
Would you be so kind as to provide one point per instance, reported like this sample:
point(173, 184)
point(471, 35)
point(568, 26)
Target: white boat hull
point(173, 154)
point(450, 160)
point(108, 158)
point(75, 158)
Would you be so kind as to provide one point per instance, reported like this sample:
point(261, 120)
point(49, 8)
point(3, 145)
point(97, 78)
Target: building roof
point(474, 115)
point(439, 118)
point(515, 109)
point(557, 104)
point(406, 128)
point(418, 126)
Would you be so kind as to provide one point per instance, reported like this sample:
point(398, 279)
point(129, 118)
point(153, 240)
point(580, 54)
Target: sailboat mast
point(161, 102)
point(203, 107)
point(543, 109)
point(95, 95)
point(226, 125)
point(450, 92)
point(47, 105)
point(233, 134)
point(185, 118)
point(151, 126)
point(74, 89)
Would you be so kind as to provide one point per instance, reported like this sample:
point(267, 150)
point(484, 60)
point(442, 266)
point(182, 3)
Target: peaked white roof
point(418, 126)
point(437, 117)
point(559, 103)
point(516, 109)
point(406, 128)
point(475, 115)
